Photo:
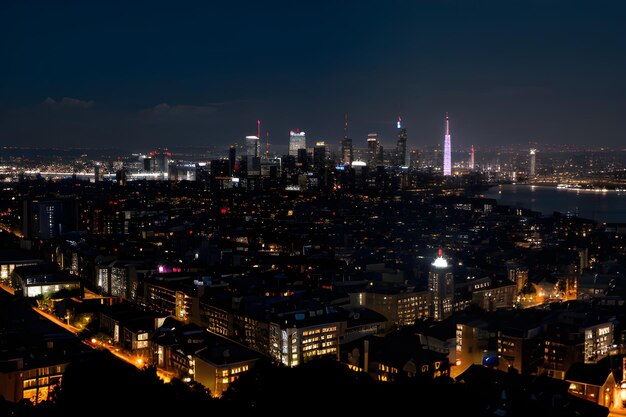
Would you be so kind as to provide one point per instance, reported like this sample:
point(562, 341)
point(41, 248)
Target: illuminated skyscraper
point(532, 164)
point(253, 152)
point(98, 172)
point(401, 145)
point(297, 140)
point(447, 150)
point(471, 159)
point(321, 155)
point(441, 285)
point(346, 145)
point(373, 149)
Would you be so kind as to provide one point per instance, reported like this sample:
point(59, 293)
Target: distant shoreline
point(569, 187)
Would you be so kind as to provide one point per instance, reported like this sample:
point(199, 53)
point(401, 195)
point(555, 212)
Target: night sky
point(109, 74)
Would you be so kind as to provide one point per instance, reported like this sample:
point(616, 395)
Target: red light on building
point(223, 211)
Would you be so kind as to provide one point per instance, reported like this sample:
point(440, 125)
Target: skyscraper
point(253, 152)
point(471, 159)
point(447, 150)
point(414, 159)
point(441, 285)
point(97, 172)
point(297, 140)
point(532, 164)
point(401, 145)
point(47, 219)
point(232, 158)
point(346, 145)
point(321, 155)
point(373, 149)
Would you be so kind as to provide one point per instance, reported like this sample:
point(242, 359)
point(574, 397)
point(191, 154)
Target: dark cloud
point(69, 102)
point(164, 110)
point(507, 72)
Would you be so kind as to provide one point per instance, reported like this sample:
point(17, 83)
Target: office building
point(321, 156)
point(401, 155)
point(373, 149)
point(401, 306)
point(297, 140)
point(253, 155)
point(598, 341)
point(232, 158)
point(441, 285)
point(47, 219)
point(297, 337)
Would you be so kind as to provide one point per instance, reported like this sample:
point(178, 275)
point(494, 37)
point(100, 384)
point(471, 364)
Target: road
point(93, 343)
point(56, 321)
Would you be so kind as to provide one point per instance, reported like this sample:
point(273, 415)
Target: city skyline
point(86, 73)
point(246, 207)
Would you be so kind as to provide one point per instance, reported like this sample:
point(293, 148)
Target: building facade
point(441, 285)
point(297, 140)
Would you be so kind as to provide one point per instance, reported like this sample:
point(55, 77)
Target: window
point(31, 394)
point(28, 383)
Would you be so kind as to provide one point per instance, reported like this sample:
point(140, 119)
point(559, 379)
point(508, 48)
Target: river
point(609, 207)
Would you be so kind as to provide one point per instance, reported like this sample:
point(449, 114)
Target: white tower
point(531, 170)
point(447, 150)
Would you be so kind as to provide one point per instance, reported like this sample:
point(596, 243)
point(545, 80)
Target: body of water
point(607, 207)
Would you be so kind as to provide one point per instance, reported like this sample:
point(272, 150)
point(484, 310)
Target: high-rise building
point(297, 140)
point(373, 149)
point(302, 159)
point(438, 158)
point(346, 151)
point(98, 172)
point(232, 158)
point(401, 145)
point(447, 150)
point(347, 155)
point(321, 155)
point(47, 219)
point(253, 155)
point(532, 164)
point(471, 159)
point(158, 161)
point(414, 159)
point(120, 176)
point(441, 285)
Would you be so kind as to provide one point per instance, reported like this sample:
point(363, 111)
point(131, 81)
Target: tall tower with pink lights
point(447, 150)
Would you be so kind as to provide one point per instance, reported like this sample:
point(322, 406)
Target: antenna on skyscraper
point(258, 129)
point(267, 145)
